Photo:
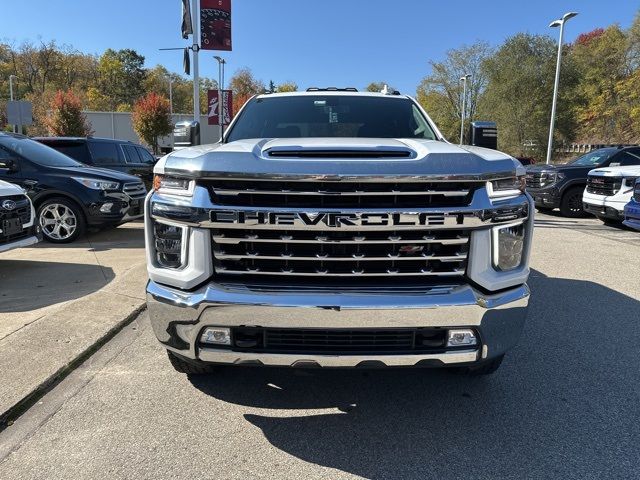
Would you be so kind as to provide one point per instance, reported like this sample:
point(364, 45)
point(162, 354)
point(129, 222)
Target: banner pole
point(196, 47)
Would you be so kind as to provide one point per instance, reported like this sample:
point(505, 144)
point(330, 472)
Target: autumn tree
point(440, 92)
point(244, 85)
point(378, 87)
point(151, 119)
point(65, 118)
point(287, 87)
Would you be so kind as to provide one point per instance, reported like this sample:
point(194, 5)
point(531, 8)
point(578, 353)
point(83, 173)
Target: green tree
point(65, 118)
point(121, 76)
point(287, 87)
point(518, 95)
point(151, 119)
point(440, 93)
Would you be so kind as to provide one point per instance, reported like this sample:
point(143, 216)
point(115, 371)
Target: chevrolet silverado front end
point(337, 229)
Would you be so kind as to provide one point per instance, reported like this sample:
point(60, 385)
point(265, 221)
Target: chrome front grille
point(135, 190)
point(540, 179)
point(22, 209)
point(605, 186)
point(308, 194)
point(334, 253)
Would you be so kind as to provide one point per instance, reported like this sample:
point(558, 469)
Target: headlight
point(507, 187)
point(508, 246)
point(94, 184)
point(169, 245)
point(172, 185)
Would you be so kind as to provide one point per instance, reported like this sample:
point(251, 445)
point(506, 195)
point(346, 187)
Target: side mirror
point(484, 134)
point(8, 164)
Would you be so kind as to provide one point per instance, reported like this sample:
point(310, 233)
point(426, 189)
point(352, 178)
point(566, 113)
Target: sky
point(346, 43)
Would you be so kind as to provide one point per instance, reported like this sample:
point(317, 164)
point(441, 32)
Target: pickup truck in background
point(632, 209)
point(332, 228)
point(608, 191)
point(18, 225)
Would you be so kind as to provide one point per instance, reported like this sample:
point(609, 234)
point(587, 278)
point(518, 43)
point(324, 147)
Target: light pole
point(11, 78)
point(557, 23)
point(464, 105)
point(221, 102)
point(170, 96)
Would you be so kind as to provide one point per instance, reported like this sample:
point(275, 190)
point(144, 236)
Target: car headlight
point(172, 185)
point(508, 246)
point(94, 184)
point(507, 187)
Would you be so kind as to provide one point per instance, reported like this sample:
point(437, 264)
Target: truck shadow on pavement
point(563, 405)
point(29, 285)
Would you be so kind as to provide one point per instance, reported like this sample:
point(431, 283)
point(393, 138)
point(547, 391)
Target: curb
point(12, 413)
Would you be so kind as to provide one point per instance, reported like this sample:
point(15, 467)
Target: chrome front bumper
point(178, 317)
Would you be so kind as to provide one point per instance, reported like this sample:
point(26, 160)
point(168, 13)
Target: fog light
point(216, 336)
point(106, 207)
point(508, 246)
point(460, 338)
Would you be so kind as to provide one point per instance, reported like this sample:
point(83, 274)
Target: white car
point(18, 226)
point(609, 190)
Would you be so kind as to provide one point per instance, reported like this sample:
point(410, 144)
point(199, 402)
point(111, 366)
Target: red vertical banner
point(215, 24)
point(213, 111)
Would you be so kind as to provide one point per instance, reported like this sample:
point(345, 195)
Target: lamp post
point(557, 23)
point(221, 101)
point(170, 96)
point(464, 105)
point(11, 78)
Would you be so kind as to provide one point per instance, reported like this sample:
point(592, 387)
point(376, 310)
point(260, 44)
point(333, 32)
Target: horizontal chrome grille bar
point(423, 273)
point(327, 258)
point(224, 239)
point(355, 193)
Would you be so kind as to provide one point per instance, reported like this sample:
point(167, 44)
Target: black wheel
point(571, 204)
point(485, 368)
point(182, 366)
point(61, 220)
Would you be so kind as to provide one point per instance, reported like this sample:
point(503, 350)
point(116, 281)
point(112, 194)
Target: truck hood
point(631, 171)
point(558, 168)
point(7, 189)
point(339, 158)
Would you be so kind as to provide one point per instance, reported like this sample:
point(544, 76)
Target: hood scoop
point(337, 149)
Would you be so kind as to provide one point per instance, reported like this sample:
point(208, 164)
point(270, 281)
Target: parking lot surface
point(564, 404)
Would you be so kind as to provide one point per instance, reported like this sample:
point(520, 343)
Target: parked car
point(562, 186)
point(69, 196)
point(632, 209)
point(120, 155)
point(609, 190)
point(18, 225)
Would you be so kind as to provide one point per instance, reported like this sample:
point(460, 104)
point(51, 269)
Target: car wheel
point(485, 368)
point(183, 366)
point(571, 204)
point(61, 220)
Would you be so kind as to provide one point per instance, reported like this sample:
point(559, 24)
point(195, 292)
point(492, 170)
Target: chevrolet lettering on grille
point(329, 219)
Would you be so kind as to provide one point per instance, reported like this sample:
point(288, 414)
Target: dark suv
point(69, 196)
point(120, 155)
point(561, 186)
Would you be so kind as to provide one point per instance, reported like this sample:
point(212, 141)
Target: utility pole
point(557, 23)
point(11, 77)
point(464, 105)
point(170, 96)
point(221, 96)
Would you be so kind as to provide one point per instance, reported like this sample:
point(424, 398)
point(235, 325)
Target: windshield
point(331, 116)
point(594, 158)
point(37, 152)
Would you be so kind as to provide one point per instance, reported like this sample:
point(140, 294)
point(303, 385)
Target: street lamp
point(221, 103)
point(464, 105)
point(11, 78)
point(557, 23)
point(170, 96)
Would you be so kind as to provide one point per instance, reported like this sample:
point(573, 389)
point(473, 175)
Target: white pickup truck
point(609, 190)
point(18, 226)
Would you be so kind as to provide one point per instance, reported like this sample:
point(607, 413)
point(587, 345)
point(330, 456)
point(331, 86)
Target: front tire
point(571, 204)
point(182, 366)
point(61, 220)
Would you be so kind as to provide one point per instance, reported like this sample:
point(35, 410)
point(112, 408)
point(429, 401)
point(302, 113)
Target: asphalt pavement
point(564, 404)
